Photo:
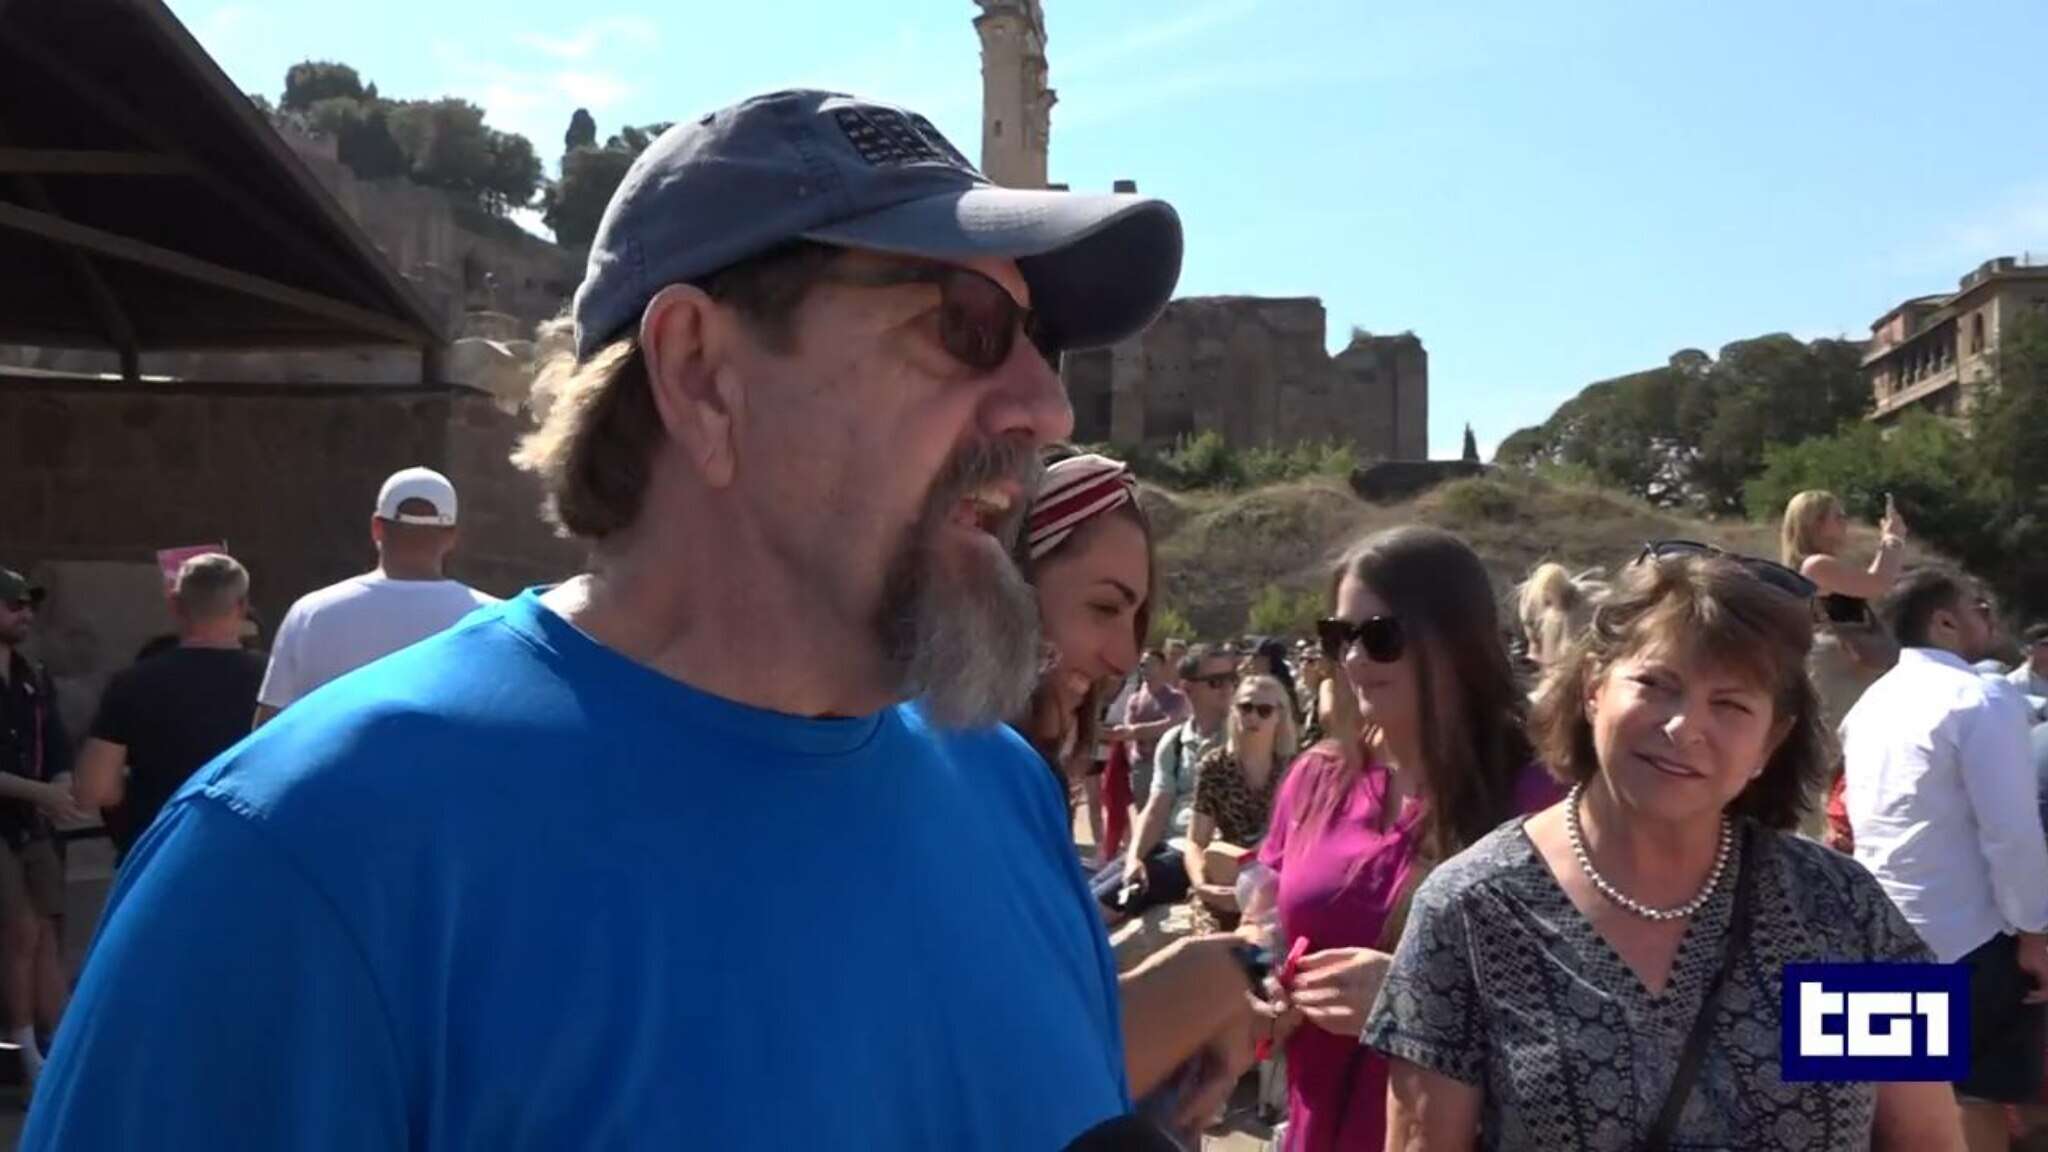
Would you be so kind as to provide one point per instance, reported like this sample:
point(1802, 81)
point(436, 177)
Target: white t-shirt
point(344, 626)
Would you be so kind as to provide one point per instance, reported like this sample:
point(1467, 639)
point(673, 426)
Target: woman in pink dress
point(1426, 755)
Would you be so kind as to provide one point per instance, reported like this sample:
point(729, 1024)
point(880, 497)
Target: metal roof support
point(76, 162)
point(89, 92)
point(106, 307)
point(63, 231)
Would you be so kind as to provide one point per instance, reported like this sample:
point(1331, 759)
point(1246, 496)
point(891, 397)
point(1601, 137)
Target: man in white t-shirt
point(2031, 677)
point(344, 626)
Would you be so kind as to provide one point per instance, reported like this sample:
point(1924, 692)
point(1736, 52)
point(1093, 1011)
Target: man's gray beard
point(963, 641)
point(969, 645)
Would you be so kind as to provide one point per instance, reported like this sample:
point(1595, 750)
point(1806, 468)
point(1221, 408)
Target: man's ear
point(686, 341)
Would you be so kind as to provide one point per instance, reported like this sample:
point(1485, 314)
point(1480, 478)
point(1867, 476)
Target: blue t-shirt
point(509, 890)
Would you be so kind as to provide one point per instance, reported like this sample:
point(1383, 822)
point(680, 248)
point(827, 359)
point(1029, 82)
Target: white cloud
point(232, 26)
point(590, 89)
point(634, 31)
point(533, 101)
point(2014, 223)
point(1090, 104)
point(1150, 37)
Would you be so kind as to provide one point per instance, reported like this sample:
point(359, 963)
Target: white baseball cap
point(417, 484)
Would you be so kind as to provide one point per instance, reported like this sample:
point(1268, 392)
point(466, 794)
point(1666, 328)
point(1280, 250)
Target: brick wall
point(287, 475)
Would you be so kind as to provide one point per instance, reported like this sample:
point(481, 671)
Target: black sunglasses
point(1252, 708)
point(978, 318)
point(1219, 680)
point(1382, 638)
point(1769, 571)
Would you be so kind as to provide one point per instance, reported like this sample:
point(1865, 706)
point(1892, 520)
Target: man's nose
point(1029, 399)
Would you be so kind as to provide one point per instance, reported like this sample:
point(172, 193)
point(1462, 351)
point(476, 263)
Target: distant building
point(1256, 369)
point(1016, 104)
point(1931, 352)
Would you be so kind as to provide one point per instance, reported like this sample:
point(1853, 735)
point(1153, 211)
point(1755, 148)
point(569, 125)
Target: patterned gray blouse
point(1499, 982)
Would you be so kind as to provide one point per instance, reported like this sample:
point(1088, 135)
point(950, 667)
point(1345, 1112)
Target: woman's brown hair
point(1041, 725)
point(1470, 708)
point(1712, 609)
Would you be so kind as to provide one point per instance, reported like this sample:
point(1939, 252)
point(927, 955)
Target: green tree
point(514, 175)
point(576, 202)
point(1278, 612)
point(573, 206)
point(1471, 453)
point(633, 141)
point(362, 136)
point(311, 81)
point(1169, 624)
point(1694, 432)
point(582, 131)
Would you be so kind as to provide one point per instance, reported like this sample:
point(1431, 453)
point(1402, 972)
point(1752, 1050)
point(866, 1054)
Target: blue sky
point(1548, 194)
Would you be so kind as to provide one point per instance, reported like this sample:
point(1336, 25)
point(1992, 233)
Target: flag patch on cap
point(886, 138)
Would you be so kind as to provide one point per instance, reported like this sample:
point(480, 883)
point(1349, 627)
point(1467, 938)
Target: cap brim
point(1101, 266)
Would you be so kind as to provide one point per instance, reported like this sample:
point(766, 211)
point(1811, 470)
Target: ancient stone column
point(1016, 105)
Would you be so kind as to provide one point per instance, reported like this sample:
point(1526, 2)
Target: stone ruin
point(1254, 368)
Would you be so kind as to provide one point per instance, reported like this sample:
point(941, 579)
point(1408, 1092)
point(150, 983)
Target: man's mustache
point(985, 462)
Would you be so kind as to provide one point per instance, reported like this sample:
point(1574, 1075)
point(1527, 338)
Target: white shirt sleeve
point(283, 680)
point(1996, 760)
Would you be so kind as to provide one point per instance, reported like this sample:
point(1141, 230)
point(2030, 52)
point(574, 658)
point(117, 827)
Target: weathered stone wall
point(1255, 369)
point(287, 476)
point(457, 268)
point(506, 546)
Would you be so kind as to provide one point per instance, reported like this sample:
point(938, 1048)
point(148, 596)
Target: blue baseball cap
point(835, 169)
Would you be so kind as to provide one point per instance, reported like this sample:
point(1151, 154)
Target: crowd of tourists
point(762, 832)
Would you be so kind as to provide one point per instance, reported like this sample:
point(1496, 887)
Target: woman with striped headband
point(1088, 552)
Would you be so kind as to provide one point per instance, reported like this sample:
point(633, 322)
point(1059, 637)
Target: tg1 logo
point(1876, 1022)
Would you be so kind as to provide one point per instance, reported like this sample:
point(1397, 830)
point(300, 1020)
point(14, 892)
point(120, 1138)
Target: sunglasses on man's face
point(1251, 708)
point(978, 318)
point(1381, 638)
point(1219, 681)
point(1769, 571)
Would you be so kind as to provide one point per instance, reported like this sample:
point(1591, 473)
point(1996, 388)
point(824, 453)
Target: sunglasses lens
point(1383, 639)
point(978, 320)
point(1042, 339)
point(1333, 636)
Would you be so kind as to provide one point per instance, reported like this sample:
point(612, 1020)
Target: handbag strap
point(1695, 1052)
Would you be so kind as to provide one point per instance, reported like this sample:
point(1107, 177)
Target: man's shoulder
point(996, 744)
point(407, 722)
point(321, 599)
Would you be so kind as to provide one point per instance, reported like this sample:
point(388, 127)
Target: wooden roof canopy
point(146, 203)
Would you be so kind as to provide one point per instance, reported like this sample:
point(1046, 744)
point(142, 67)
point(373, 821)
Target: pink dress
point(1321, 898)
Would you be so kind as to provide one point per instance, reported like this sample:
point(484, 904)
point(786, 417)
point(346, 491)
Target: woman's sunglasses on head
point(978, 318)
point(1381, 638)
point(1769, 571)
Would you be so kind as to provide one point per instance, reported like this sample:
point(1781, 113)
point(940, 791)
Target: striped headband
point(1075, 491)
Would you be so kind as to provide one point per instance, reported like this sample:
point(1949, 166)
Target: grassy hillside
point(1218, 549)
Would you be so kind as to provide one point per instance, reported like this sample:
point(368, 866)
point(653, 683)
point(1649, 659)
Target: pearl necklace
point(1630, 903)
